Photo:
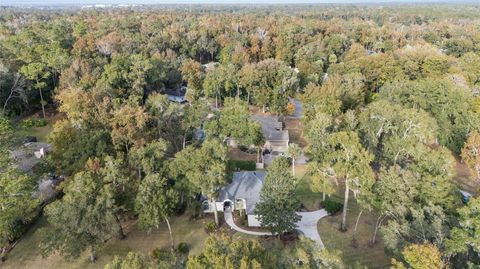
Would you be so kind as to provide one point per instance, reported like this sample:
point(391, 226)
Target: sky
point(90, 2)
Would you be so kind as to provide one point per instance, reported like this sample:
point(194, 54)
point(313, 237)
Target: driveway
point(307, 226)
point(229, 221)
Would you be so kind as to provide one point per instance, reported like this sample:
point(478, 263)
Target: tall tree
point(156, 202)
point(193, 73)
point(464, 239)
point(349, 161)
point(85, 218)
point(220, 251)
point(420, 256)
point(471, 153)
point(277, 207)
point(294, 151)
point(205, 168)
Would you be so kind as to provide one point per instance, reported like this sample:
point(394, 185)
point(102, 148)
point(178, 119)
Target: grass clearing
point(27, 253)
point(372, 256)
point(40, 132)
point(309, 199)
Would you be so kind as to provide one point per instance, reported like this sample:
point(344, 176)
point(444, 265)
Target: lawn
point(310, 200)
point(27, 254)
point(373, 257)
point(39, 132)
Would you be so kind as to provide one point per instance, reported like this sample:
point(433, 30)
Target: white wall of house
point(280, 146)
point(253, 221)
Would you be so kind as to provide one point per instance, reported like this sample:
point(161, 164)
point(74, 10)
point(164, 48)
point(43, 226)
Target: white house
point(242, 193)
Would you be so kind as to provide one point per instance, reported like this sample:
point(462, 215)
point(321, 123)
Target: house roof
point(245, 185)
point(272, 129)
point(180, 91)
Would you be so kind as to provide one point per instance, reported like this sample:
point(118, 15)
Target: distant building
point(210, 66)
point(242, 194)
point(176, 95)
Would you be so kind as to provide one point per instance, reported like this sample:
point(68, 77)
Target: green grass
point(372, 256)
point(309, 199)
point(27, 254)
point(39, 132)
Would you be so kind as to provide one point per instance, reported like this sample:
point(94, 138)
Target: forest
point(390, 131)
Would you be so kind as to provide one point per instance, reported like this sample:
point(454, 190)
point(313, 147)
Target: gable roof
point(245, 185)
point(272, 129)
point(180, 91)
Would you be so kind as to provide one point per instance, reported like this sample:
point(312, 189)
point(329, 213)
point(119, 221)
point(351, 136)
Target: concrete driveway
point(306, 226)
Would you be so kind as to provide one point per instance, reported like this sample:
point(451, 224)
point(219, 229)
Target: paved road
point(307, 225)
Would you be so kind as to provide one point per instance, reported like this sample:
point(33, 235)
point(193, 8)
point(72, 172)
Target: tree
point(17, 205)
point(194, 115)
point(131, 261)
point(294, 151)
point(271, 82)
point(392, 132)
point(471, 153)
point(321, 179)
point(37, 73)
point(234, 121)
point(167, 117)
point(205, 168)
point(316, 133)
point(449, 104)
point(221, 251)
point(221, 82)
point(420, 256)
point(156, 202)
point(306, 254)
point(85, 218)
point(128, 125)
point(14, 87)
point(193, 73)
point(349, 161)
point(277, 208)
point(149, 158)
point(464, 238)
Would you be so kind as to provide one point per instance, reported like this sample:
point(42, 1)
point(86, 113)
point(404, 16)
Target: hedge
point(235, 165)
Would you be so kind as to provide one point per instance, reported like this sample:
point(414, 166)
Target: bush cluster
point(28, 123)
point(332, 206)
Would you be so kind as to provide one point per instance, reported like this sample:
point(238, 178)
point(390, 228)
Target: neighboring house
point(210, 66)
point(276, 138)
point(242, 194)
point(176, 95)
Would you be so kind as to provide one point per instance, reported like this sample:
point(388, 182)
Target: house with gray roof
point(276, 138)
point(176, 95)
point(243, 193)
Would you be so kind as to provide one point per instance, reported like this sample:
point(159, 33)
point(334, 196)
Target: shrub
point(194, 209)
point(161, 254)
point(28, 123)
point(332, 206)
point(183, 248)
point(235, 165)
point(242, 217)
point(210, 226)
